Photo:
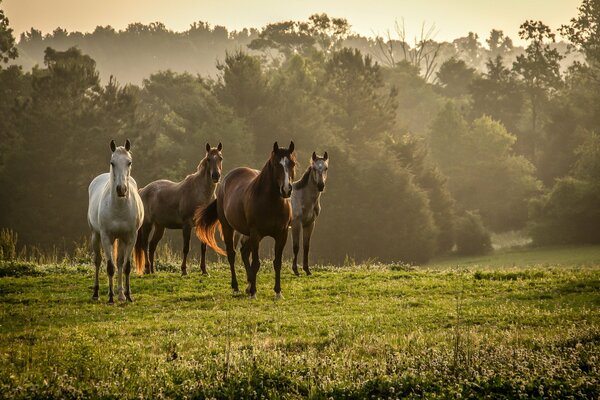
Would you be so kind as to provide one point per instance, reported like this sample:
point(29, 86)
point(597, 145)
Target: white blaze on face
point(286, 180)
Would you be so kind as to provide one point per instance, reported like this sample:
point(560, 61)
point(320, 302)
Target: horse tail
point(207, 221)
point(139, 250)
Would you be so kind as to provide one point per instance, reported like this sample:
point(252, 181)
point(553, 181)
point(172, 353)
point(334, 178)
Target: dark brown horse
point(172, 205)
point(256, 204)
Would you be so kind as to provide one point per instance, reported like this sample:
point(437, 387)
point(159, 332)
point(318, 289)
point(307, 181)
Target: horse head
point(120, 167)
point(214, 162)
point(283, 162)
point(319, 166)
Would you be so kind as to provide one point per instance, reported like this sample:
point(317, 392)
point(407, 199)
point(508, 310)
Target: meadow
point(517, 324)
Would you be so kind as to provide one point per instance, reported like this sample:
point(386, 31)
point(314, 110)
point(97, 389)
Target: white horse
point(306, 206)
point(115, 214)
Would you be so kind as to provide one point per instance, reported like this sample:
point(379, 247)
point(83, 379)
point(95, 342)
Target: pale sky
point(453, 19)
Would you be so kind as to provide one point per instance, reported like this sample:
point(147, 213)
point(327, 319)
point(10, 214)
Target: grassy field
point(518, 324)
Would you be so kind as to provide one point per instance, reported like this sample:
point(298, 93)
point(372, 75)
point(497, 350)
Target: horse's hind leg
point(97, 262)
point(203, 258)
point(306, 234)
point(120, 263)
point(107, 245)
point(159, 231)
point(279, 246)
point(144, 234)
point(228, 231)
point(253, 242)
point(296, 227)
point(245, 252)
point(187, 232)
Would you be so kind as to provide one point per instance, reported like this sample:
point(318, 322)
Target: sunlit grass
point(462, 328)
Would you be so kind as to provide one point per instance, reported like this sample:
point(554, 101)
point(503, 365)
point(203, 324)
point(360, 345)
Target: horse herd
point(246, 205)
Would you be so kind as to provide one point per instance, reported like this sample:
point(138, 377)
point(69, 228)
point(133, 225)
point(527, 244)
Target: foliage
point(570, 211)
point(483, 172)
point(413, 155)
point(472, 238)
point(455, 77)
point(539, 69)
point(8, 50)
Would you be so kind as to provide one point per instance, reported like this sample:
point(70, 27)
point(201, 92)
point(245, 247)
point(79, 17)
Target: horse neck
point(200, 179)
point(265, 182)
point(311, 191)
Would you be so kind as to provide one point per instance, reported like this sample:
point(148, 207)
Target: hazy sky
point(452, 18)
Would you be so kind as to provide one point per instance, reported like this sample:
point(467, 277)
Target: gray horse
point(306, 205)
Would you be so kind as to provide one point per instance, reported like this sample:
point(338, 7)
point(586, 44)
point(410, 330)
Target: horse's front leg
point(120, 262)
point(296, 227)
point(97, 262)
point(107, 245)
point(306, 234)
point(279, 246)
point(187, 233)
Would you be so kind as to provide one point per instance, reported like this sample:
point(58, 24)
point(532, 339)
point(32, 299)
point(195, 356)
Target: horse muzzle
point(121, 190)
point(215, 178)
point(321, 187)
point(285, 193)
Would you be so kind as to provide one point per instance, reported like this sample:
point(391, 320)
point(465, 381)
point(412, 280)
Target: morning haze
point(452, 18)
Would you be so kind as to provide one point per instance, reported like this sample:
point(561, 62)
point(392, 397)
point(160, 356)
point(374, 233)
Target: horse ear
point(220, 146)
point(325, 156)
point(207, 147)
point(113, 146)
point(291, 148)
point(127, 144)
point(314, 156)
point(275, 146)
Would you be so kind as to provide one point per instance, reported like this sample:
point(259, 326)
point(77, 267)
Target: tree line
point(421, 162)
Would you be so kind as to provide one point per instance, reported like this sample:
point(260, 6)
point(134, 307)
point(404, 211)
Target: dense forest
point(432, 145)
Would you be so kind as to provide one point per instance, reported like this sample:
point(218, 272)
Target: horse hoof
point(205, 273)
point(296, 272)
point(122, 297)
point(184, 273)
point(110, 302)
point(252, 296)
point(129, 299)
point(94, 298)
point(308, 273)
point(278, 296)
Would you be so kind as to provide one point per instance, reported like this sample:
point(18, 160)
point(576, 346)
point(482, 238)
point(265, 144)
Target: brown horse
point(256, 204)
point(172, 205)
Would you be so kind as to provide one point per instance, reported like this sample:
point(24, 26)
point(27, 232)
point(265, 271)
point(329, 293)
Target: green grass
point(464, 328)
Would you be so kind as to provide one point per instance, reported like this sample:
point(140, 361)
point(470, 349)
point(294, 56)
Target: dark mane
point(302, 182)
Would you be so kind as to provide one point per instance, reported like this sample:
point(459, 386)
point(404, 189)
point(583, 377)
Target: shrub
point(472, 238)
point(8, 244)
